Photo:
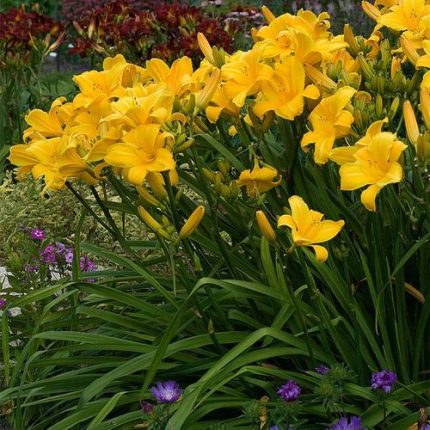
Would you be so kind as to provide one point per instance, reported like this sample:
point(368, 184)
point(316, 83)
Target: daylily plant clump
point(287, 189)
point(141, 120)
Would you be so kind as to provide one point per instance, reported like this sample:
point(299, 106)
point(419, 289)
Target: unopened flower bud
point(208, 174)
point(205, 47)
point(370, 10)
point(265, 228)
point(394, 108)
point(365, 68)
point(379, 105)
point(152, 223)
point(205, 96)
point(148, 197)
point(412, 129)
point(192, 222)
point(268, 15)
point(350, 39)
point(319, 78)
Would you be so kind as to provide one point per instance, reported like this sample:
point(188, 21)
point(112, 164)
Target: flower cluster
point(141, 30)
point(55, 256)
point(20, 31)
point(140, 121)
point(383, 380)
point(290, 391)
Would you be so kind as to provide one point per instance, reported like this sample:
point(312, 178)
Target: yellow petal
point(352, 177)
point(326, 230)
point(287, 220)
point(343, 154)
point(321, 253)
point(368, 197)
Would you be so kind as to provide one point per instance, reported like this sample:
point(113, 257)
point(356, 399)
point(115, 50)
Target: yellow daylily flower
point(345, 154)
point(258, 180)
point(131, 111)
point(304, 35)
point(98, 86)
point(178, 77)
point(51, 159)
point(219, 104)
point(46, 124)
point(406, 15)
point(243, 76)
point(141, 151)
point(375, 164)
point(309, 228)
point(330, 121)
point(285, 92)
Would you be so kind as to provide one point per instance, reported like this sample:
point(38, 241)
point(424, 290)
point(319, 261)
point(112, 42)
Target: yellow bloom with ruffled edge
point(258, 180)
point(141, 151)
point(285, 92)
point(345, 154)
point(375, 164)
point(304, 35)
point(330, 121)
point(243, 75)
point(178, 78)
point(308, 227)
point(406, 15)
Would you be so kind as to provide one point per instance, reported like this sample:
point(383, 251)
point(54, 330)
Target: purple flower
point(61, 248)
point(31, 268)
point(322, 370)
point(426, 427)
point(48, 255)
point(383, 380)
point(38, 234)
point(68, 256)
point(354, 423)
point(166, 392)
point(2, 303)
point(290, 391)
point(146, 407)
point(87, 265)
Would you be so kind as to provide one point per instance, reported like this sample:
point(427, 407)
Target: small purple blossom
point(290, 391)
point(68, 256)
point(31, 268)
point(87, 265)
point(38, 234)
point(353, 423)
point(383, 380)
point(2, 303)
point(48, 255)
point(426, 427)
point(147, 408)
point(166, 392)
point(322, 370)
point(61, 248)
